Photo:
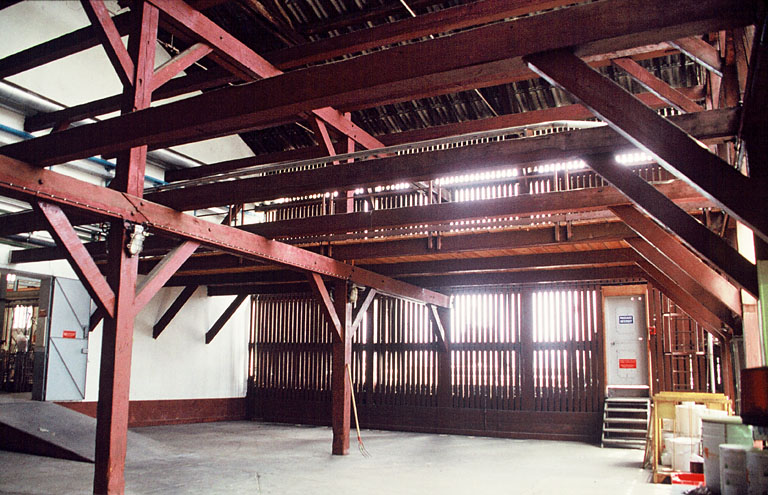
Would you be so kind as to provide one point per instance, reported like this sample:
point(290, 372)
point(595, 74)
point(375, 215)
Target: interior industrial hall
point(383, 246)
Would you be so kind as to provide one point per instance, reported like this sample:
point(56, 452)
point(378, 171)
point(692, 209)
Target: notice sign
point(626, 319)
point(69, 334)
point(627, 364)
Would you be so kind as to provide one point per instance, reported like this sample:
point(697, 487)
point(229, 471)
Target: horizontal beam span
point(26, 182)
point(430, 165)
point(567, 112)
point(438, 65)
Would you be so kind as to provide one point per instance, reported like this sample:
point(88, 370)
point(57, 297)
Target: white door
point(626, 346)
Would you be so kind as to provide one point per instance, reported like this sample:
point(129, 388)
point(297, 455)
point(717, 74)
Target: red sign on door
point(69, 334)
point(627, 363)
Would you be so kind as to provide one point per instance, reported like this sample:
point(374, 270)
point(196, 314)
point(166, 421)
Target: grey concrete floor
point(257, 458)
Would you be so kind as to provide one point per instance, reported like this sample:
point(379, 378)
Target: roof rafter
point(433, 66)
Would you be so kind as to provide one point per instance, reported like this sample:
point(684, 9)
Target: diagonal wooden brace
point(706, 243)
point(81, 261)
point(326, 304)
point(670, 146)
point(109, 36)
point(224, 318)
point(163, 271)
point(368, 298)
point(438, 327)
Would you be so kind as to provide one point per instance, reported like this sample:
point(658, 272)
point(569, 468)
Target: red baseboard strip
point(171, 412)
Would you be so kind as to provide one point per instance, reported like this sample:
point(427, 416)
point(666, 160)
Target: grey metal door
point(67, 352)
point(627, 348)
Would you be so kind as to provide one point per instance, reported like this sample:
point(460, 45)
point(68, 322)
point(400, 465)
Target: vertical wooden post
point(340, 385)
point(526, 350)
point(444, 385)
point(115, 371)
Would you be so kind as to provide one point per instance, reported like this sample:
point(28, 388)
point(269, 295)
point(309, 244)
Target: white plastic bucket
point(682, 450)
point(716, 431)
point(733, 469)
point(757, 472)
point(688, 419)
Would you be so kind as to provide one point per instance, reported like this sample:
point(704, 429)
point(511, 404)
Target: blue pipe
point(104, 163)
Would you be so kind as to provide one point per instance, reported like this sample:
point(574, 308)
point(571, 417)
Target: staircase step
point(627, 420)
point(624, 443)
point(639, 400)
point(625, 430)
point(625, 409)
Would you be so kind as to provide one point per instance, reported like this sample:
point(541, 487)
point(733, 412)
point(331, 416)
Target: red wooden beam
point(82, 263)
point(685, 259)
point(368, 297)
point(162, 272)
point(173, 310)
point(688, 303)
point(755, 113)
point(657, 86)
point(224, 318)
point(341, 385)
point(197, 81)
point(58, 48)
point(696, 235)
point(411, 28)
point(326, 305)
point(568, 112)
point(122, 270)
point(424, 166)
point(566, 202)
point(180, 62)
point(507, 263)
point(526, 277)
point(574, 201)
point(494, 243)
point(109, 36)
point(245, 63)
point(685, 281)
point(434, 66)
point(670, 146)
point(702, 52)
point(25, 181)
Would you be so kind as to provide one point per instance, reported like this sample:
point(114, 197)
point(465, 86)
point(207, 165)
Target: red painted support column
point(340, 385)
point(115, 371)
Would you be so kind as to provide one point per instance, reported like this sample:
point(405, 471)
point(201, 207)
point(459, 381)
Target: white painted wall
point(178, 365)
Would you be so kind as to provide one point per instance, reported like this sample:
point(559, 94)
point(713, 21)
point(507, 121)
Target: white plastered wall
point(177, 365)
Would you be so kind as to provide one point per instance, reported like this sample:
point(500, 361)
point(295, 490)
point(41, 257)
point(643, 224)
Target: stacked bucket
point(731, 465)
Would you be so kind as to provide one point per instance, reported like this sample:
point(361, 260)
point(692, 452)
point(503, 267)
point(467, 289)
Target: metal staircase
point(625, 422)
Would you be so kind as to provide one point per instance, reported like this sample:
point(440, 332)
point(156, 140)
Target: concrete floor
point(257, 458)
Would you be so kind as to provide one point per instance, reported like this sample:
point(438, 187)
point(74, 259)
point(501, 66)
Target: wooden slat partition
point(679, 349)
point(395, 356)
